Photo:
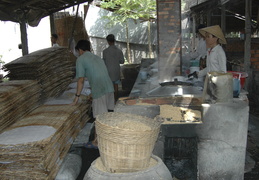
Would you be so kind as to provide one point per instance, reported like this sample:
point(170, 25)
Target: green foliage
point(1, 61)
point(147, 9)
point(233, 35)
point(129, 9)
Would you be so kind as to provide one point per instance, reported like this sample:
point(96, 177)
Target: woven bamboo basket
point(126, 141)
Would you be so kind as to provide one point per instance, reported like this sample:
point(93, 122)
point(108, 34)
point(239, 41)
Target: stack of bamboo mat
point(34, 147)
point(17, 98)
point(53, 68)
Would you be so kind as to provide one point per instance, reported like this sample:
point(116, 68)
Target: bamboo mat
point(26, 153)
point(17, 98)
point(35, 78)
point(42, 159)
point(52, 68)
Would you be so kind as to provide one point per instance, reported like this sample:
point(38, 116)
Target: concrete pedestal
point(222, 141)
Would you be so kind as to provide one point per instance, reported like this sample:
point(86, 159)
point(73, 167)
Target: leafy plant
point(1, 61)
point(130, 9)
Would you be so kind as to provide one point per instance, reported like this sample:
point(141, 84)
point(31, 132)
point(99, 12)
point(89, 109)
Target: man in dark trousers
point(113, 57)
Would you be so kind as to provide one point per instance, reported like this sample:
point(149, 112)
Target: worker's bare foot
point(95, 142)
point(92, 145)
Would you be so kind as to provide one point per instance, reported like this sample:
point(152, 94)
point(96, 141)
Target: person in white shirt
point(54, 39)
point(216, 57)
point(201, 50)
point(198, 53)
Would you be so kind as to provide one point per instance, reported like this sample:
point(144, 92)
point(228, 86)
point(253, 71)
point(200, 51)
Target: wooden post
point(24, 39)
point(193, 32)
point(223, 19)
point(208, 17)
point(86, 8)
point(247, 49)
point(52, 24)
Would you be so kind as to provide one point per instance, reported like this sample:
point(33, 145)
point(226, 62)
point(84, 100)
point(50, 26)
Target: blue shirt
point(93, 68)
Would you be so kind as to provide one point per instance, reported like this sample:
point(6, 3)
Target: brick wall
point(169, 38)
point(234, 46)
point(255, 59)
point(234, 51)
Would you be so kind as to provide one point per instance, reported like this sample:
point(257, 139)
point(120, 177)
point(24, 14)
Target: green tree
point(1, 61)
point(130, 9)
point(147, 12)
point(146, 9)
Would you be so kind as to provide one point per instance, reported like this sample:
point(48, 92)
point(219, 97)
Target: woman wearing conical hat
point(216, 57)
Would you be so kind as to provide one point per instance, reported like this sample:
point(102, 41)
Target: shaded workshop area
point(165, 124)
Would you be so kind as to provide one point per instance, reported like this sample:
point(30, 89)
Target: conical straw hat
point(216, 31)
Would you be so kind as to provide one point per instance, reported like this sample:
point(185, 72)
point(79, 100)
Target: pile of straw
point(17, 98)
point(53, 68)
point(41, 159)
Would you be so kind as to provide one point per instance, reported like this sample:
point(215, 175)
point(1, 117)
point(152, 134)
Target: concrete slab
point(222, 141)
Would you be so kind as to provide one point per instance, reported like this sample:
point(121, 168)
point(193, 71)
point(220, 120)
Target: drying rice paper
point(26, 134)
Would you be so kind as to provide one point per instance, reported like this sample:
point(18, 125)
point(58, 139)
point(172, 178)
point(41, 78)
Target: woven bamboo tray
point(42, 159)
point(17, 98)
point(126, 141)
point(52, 68)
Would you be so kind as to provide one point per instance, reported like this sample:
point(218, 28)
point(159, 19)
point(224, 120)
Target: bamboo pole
point(247, 49)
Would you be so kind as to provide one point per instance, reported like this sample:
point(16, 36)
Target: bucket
point(194, 63)
point(236, 87)
point(218, 87)
point(143, 75)
point(126, 141)
point(193, 69)
point(241, 75)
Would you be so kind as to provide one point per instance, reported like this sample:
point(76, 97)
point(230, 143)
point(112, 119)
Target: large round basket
point(126, 141)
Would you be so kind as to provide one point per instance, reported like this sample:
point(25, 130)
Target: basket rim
point(153, 128)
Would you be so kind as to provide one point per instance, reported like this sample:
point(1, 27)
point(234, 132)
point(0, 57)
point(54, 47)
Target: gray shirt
point(113, 57)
